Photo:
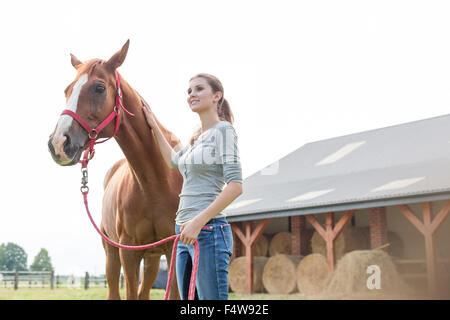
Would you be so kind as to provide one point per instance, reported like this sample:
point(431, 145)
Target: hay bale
point(312, 274)
point(260, 247)
point(237, 276)
point(279, 274)
point(281, 243)
point(351, 238)
point(350, 275)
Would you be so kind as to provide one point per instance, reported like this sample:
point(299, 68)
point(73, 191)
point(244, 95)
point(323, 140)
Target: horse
point(140, 197)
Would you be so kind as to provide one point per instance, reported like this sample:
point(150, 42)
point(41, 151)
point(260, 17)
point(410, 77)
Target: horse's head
point(92, 96)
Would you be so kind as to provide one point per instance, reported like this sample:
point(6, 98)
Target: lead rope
point(191, 295)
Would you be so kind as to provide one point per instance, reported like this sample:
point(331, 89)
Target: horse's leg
point(173, 294)
point(112, 270)
point(130, 261)
point(151, 267)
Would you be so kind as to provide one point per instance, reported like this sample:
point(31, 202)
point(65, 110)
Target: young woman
point(206, 164)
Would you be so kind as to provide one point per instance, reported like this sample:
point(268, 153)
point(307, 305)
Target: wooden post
point(248, 240)
point(331, 232)
point(86, 281)
point(16, 280)
point(237, 245)
point(52, 280)
point(249, 256)
point(428, 227)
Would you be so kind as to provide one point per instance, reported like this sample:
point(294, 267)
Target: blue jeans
point(216, 247)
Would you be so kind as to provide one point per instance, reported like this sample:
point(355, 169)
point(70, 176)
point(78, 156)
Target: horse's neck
point(138, 143)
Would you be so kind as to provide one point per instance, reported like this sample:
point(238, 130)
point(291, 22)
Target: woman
point(206, 164)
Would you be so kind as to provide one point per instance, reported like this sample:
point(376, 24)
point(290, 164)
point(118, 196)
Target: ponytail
point(224, 111)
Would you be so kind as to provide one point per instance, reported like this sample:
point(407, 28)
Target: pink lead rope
point(88, 155)
point(176, 237)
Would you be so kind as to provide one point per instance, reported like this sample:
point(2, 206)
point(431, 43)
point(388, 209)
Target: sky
point(294, 72)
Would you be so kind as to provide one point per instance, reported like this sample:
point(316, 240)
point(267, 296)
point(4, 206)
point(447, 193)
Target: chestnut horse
point(140, 192)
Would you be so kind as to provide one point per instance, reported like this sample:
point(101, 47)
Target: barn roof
point(399, 164)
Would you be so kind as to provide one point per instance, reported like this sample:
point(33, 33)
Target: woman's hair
point(223, 107)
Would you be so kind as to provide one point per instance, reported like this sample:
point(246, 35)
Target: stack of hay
point(283, 273)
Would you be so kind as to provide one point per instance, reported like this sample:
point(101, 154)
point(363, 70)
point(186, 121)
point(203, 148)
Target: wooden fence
point(43, 279)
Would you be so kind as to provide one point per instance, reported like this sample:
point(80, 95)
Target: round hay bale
point(352, 275)
point(351, 238)
point(312, 274)
point(237, 276)
point(281, 243)
point(260, 247)
point(279, 274)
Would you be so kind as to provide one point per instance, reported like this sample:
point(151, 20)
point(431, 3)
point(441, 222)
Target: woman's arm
point(190, 230)
point(164, 146)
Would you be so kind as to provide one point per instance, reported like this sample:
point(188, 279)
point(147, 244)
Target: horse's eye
point(99, 87)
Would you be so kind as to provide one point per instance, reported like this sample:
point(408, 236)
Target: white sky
point(294, 72)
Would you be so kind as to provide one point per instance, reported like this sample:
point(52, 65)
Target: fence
point(43, 279)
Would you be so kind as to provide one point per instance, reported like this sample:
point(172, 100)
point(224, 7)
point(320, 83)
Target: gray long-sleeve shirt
point(206, 166)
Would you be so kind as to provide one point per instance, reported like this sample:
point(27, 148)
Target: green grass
point(98, 293)
point(101, 293)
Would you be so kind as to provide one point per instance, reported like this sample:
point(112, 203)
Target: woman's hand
point(149, 116)
point(189, 231)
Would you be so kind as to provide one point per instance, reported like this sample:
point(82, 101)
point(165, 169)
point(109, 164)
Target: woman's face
point(200, 95)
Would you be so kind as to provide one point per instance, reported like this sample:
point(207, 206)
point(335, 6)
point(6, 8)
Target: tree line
point(13, 257)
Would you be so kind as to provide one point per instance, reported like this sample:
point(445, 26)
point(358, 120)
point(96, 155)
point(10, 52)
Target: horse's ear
point(118, 58)
point(75, 62)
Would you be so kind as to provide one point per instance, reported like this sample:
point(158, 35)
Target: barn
point(394, 182)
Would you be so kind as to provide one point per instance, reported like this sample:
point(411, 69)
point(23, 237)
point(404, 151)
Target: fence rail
point(42, 279)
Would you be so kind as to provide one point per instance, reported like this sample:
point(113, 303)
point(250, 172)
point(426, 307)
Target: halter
point(94, 132)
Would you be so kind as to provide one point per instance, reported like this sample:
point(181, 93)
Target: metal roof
point(404, 163)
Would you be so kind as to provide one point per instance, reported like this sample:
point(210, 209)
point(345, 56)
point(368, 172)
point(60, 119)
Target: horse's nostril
point(67, 142)
point(67, 146)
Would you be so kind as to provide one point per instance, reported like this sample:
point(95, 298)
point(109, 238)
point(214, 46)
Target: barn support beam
point(428, 228)
point(331, 232)
point(378, 228)
point(250, 237)
point(298, 235)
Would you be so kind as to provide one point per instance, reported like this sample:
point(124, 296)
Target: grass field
point(100, 294)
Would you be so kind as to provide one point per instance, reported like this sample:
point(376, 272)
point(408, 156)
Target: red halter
point(94, 132)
